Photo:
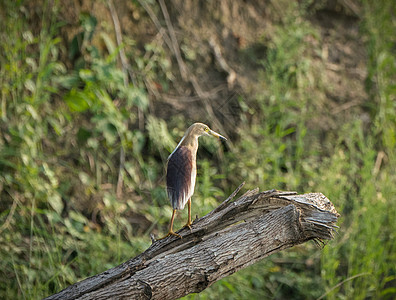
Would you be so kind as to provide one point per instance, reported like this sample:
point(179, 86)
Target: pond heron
point(182, 170)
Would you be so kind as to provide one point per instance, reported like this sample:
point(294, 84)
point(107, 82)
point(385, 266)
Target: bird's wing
point(178, 177)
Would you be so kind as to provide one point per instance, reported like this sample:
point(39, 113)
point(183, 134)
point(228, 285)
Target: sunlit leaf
point(76, 101)
point(56, 202)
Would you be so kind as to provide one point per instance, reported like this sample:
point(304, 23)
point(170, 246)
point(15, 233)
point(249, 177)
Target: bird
point(181, 171)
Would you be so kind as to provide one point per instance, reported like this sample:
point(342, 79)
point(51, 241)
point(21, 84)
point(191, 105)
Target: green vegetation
point(68, 112)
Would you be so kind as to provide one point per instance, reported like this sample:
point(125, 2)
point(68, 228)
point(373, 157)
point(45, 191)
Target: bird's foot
point(188, 225)
point(171, 232)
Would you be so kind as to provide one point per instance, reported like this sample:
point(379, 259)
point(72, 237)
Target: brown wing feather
point(178, 177)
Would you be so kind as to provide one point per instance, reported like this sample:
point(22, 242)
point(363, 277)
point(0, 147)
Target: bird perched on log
point(182, 170)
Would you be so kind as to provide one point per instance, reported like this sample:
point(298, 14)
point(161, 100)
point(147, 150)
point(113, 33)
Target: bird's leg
point(171, 232)
point(188, 224)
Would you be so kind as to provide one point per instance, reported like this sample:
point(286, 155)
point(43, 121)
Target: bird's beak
point(215, 134)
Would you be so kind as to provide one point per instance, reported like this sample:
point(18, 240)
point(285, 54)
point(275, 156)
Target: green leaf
point(76, 101)
point(88, 23)
point(135, 97)
point(111, 48)
point(83, 135)
point(56, 202)
point(86, 75)
point(78, 217)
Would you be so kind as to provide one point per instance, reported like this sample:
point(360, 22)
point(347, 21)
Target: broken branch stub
point(231, 237)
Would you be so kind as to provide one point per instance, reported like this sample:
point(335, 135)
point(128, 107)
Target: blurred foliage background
point(96, 94)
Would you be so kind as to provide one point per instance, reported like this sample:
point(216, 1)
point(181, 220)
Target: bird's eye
point(207, 129)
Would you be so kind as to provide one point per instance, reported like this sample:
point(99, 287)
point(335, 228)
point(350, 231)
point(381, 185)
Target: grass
point(359, 264)
point(60, 140)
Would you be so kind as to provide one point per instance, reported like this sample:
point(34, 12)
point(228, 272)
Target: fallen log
point(233, 236)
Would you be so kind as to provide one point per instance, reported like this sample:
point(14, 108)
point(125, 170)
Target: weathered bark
point(231, 237)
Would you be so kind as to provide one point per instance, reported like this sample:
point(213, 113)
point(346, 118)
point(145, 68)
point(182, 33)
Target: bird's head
point(190, 138)
point(199, 129)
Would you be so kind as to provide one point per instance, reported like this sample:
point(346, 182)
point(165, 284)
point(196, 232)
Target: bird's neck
point(191, 143)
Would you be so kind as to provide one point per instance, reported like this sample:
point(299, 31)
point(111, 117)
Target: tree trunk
point(233, 236)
